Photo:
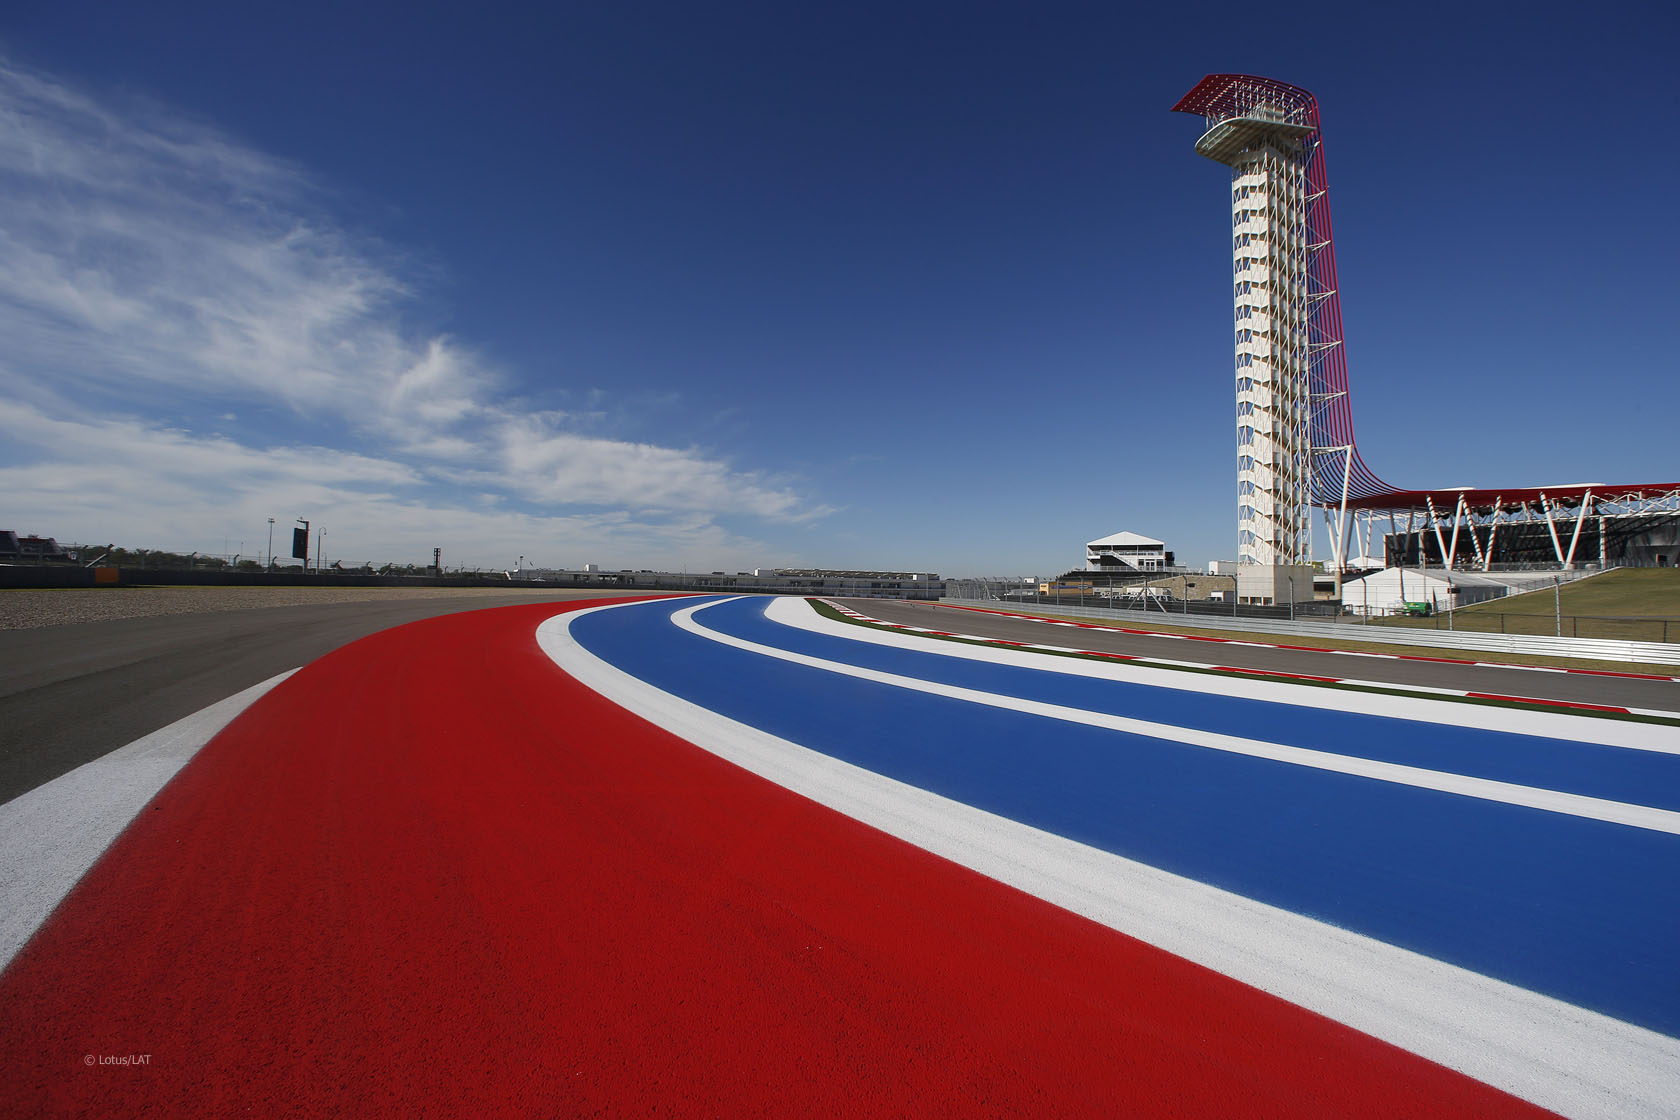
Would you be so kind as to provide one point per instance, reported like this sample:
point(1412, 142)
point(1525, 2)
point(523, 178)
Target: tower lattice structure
point(1267, 134)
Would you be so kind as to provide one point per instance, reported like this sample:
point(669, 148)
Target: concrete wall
point(1195, 587)
point(1275, 583)
point(70, 575)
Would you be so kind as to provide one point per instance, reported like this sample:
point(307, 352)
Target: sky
point(911, 286)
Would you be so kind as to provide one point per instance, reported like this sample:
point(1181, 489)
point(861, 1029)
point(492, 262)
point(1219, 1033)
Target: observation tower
point(1295, 443)
point(1287, 326)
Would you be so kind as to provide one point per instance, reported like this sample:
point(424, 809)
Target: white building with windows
point(1127, 552)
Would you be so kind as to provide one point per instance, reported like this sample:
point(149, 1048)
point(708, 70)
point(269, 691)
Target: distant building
point(867, 584)
point(30, 550)
point(1066, 587)
point(1127, 552)
point(816, 582)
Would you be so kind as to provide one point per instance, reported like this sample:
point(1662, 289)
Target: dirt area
point(30, 610)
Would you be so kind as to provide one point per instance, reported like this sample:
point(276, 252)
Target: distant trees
point(157, 559)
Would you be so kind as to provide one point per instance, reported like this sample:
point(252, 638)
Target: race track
point(71, 693)
point(729, 857)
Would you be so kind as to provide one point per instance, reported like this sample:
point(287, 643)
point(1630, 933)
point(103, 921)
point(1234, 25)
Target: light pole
point(269, 565)
point(320, 547)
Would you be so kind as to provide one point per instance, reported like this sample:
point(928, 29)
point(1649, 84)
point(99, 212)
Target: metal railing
point(1640, 628)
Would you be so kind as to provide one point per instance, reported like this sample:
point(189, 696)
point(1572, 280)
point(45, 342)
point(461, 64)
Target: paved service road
point(69, 694)
point(1576, 688)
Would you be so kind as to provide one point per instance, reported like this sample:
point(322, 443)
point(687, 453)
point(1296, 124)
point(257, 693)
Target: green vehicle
point(1417, 610)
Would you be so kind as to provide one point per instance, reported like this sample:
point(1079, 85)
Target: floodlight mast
point(1295, 444)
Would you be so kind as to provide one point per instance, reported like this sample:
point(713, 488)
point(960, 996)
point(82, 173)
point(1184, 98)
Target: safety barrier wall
point(46, 577)
point(1601, 649)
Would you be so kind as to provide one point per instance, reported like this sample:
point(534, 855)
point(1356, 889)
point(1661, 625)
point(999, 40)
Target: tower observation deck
point(1294, 425)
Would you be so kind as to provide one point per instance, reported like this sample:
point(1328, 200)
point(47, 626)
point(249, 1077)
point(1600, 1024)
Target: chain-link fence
point(1134, 606)
point(1162, 608)
point(1482, 621)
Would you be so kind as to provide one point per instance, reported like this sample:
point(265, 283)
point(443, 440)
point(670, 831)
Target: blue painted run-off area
point(1581, 910)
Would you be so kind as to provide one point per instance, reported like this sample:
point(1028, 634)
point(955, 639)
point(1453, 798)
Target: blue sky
point(912, 285)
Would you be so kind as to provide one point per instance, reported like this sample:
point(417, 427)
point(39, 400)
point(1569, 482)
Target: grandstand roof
point(1126, 538)
point(1480, 498)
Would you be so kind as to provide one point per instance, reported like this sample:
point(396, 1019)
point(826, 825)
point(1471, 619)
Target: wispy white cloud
point(127, 481)
point(547, 465)
point(151, 267)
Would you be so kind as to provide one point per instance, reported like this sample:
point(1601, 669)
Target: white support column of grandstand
point(1269, 255)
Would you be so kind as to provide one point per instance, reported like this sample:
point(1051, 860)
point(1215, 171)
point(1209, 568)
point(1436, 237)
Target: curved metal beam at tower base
point(1295, 439)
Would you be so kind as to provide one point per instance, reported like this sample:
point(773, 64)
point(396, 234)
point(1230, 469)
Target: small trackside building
point(1389, 590)
point(1127, 552)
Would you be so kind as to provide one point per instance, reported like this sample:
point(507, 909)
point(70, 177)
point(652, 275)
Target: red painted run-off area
point(430, 874)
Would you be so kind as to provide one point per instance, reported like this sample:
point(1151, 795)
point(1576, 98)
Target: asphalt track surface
point(435, 873)
point(1580, 688)
point(69, 694)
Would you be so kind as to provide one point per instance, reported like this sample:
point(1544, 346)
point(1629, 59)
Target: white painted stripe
point(1559, 1056)
point(1464, 785)
point(1541, 723)
point(50, 836)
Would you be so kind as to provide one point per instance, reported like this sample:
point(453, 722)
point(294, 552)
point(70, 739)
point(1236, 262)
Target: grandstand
point(15, 549)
